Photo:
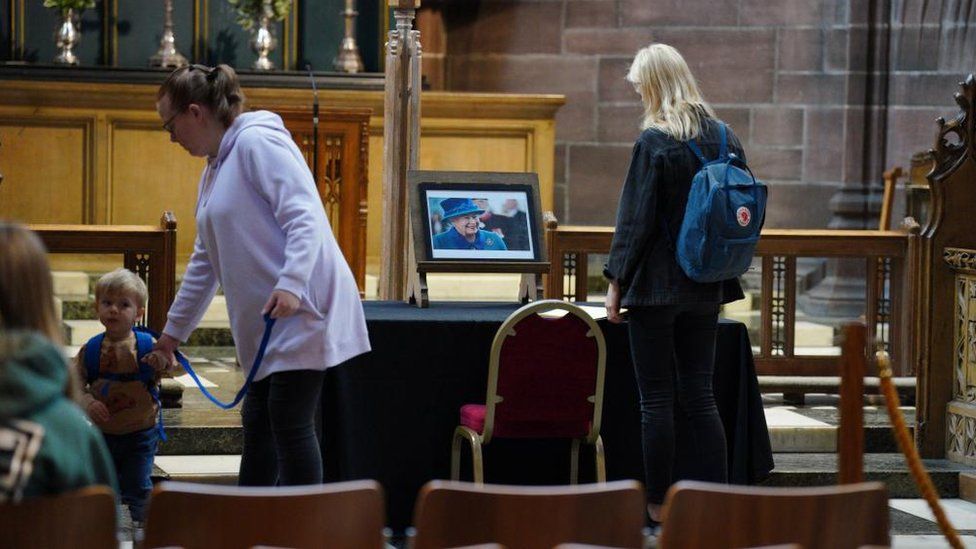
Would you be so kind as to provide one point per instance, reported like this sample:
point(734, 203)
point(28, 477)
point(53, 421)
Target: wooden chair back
point(891, 178)
point(340, 515)
point(82, 519)
point(457, 514)
point(716, 516)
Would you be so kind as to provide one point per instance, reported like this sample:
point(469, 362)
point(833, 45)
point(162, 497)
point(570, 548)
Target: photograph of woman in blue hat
point(464, 231)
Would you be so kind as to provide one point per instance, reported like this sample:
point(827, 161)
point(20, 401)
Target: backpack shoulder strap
point(723, 146)
point(694, 148)
point(144, 345)
point(93, 357)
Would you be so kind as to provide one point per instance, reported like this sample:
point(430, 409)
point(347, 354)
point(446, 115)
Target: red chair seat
point(473, 417)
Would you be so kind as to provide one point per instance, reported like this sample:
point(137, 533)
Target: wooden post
point(401, 146)
point(850, 435)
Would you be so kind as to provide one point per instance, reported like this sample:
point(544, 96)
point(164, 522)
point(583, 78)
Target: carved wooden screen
point(946, 411)
point(342, 158)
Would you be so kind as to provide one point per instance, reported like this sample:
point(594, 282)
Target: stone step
point(807, 334)
point(792, 470)
point(820, 469)
point(213, 331)
point(789, 431)
point(71, 285)
point(217, 469)
point(794, 387)
point(78, 332)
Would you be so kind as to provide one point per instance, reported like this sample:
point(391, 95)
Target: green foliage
point(248, 11)
point(69, 4)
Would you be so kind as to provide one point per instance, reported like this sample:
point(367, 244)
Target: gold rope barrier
point(919, 474)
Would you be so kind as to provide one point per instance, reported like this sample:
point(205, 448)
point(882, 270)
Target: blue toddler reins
point(268, 324)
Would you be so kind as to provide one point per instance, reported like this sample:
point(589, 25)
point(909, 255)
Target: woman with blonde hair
point(672, 320)
point(60, 450)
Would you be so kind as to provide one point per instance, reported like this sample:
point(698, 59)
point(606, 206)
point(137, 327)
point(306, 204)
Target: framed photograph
point(489, 222)
point(476, 217)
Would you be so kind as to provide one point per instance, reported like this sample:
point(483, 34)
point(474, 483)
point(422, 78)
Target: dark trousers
point(280, 444)
point(673, 348)
point(133, 455)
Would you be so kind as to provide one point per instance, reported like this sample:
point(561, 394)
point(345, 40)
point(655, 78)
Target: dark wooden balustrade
point(887, 256)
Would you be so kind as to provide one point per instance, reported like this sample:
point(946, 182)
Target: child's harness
point(268, 324)
point(144, 345)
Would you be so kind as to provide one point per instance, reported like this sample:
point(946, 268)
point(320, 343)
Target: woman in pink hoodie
point(263, 237)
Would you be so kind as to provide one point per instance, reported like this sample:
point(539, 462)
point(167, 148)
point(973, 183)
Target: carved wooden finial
point(168, 221)
point(957, 135)
point(549, 220)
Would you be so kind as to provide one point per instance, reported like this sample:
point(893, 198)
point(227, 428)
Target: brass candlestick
point(167, 55)
point(348, 59)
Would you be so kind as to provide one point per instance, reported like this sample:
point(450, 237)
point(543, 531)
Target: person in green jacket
point(47, 445)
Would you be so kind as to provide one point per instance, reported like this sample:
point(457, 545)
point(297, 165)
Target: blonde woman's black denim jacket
point(651, 209)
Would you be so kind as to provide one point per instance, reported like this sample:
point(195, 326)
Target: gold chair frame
point(476, 440)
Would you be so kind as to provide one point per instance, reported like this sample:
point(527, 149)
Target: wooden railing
point(887, 256)
point(148, 251)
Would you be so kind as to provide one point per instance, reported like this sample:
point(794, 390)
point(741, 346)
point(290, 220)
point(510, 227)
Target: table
point(390, 414)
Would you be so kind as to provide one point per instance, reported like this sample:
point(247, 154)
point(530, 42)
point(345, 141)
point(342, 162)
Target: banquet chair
point(339, 515)
point(81, 519)
point(717, 516)
point(459, 514)
point(545, 380)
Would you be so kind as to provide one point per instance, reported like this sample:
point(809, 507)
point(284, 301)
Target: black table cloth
point(390, 414)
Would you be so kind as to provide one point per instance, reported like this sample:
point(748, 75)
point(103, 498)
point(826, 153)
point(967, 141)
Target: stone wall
point(805, 84)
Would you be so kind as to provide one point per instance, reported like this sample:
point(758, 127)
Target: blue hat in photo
point(453, 207)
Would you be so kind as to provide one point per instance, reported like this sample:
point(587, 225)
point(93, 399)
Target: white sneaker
point(138, 531)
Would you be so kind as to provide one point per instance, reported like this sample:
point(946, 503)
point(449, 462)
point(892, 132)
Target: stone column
point(401, 146)
point(857, 203)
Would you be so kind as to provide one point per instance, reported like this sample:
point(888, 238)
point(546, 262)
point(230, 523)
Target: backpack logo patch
point(743, 216)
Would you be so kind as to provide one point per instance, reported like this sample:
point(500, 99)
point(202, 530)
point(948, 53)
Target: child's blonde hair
point(122, 281)
point(672, 101)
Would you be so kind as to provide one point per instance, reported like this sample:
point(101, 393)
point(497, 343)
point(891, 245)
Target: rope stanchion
point(919, 474)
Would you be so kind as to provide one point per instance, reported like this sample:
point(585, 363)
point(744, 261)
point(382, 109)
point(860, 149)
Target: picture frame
point(489, 222)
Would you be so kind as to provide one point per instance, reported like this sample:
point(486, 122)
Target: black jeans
point(673, 348)
point(280, 445)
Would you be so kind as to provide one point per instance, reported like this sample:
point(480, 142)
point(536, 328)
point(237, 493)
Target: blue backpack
point(144, 345)
point(725, 213)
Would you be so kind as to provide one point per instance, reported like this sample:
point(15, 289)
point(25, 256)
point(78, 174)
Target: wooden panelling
point(136, 192)
point(46, 162)
point(467, 145)
point(97, 151)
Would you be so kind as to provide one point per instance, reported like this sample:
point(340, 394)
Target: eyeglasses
point(168, 124)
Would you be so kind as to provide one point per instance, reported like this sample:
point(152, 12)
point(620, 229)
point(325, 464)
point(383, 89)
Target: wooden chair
point(545, 380)
point(340, 515)
point(452, 514)
point(82, 519)
point(716, 516)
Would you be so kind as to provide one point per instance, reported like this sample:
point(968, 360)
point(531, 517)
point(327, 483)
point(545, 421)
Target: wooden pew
point(149, 251)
